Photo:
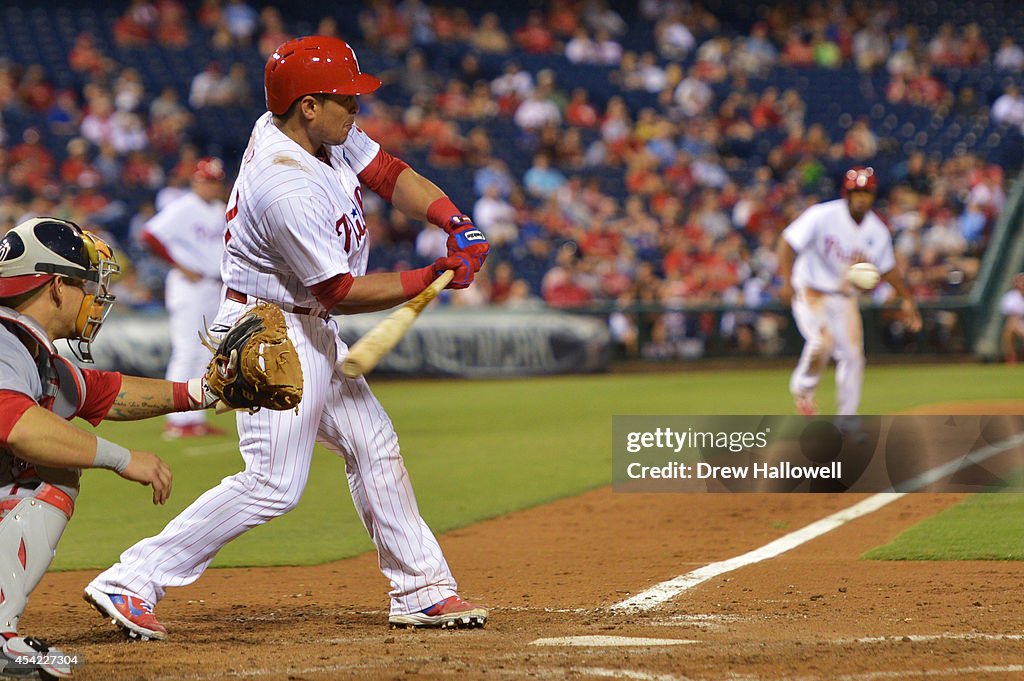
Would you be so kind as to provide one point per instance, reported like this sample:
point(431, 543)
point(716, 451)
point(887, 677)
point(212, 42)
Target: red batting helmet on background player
point(210, 169)
point(860, 178)
point(313, 65)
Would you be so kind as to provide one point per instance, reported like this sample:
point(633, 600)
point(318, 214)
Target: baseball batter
point(189, 234)
point(297, 237)
point(54, 281)
point(815, 252)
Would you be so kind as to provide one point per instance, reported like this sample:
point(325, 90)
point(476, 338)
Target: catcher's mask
point(40, 249)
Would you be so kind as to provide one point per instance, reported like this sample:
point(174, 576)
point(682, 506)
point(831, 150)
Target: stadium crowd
point(665, 184)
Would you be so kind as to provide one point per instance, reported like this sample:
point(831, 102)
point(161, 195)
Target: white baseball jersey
point(294, 220)
point(192, 231)
point(1012, 304)
point(827, 241)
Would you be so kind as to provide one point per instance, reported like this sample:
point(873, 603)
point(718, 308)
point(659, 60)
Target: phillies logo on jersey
point(835, 251)
point(352, 225)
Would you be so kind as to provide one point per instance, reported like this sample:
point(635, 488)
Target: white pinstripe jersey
point(293, 220)
point(192, 231)
point(827, 241)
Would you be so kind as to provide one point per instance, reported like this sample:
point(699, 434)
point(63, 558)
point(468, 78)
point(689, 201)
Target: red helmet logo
point(860, 178)
point(313, 65)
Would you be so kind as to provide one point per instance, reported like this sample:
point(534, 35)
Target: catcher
point(54, 283)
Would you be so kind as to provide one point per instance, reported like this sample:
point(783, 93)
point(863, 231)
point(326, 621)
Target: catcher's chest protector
point(63, 383)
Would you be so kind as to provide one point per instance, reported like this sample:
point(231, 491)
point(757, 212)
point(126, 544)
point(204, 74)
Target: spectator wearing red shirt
point(134, 28)
point(925, 89)
point(449, 147)
point(77, 161)
point(580, 113)
point(172, 26)
point(765, 113)
point(32, 154)
point(975, 49)
point(84, 57)
point(35, 90)
point(534, 37)
point(563, 18)
point(797, 52)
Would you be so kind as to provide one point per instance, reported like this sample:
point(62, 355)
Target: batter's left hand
point(911, 315)
point(465, 237)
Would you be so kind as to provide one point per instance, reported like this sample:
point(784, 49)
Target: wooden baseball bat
point(378, 341)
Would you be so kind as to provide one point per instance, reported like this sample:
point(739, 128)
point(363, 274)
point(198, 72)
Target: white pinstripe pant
point(277, 447)
point(188, 303)
point(832, 328)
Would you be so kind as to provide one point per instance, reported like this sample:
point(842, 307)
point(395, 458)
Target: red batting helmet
point(860, 178)
point(210, 169)
point(313, 64)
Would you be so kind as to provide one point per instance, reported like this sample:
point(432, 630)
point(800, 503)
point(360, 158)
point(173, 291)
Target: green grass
point(982, 527)
point(474, 449)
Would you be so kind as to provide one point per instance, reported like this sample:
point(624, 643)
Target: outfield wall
point(468, 343)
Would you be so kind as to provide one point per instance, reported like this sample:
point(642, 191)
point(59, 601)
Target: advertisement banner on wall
point(467, 343)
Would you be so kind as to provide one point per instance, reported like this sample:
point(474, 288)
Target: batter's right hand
point(461, 264)
point(147, 468)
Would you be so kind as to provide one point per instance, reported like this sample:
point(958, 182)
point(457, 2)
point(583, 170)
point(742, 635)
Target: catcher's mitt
point(254, 363)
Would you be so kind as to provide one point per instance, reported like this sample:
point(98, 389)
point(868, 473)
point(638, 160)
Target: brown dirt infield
point(814, 613)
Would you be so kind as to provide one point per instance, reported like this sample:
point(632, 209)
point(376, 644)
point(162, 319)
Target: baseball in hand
point(863, 275)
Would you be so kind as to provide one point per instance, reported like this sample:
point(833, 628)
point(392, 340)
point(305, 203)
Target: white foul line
point(918, 673)
point(610, 641)
point(627, 674)
point(666, 591)
point(947, 469)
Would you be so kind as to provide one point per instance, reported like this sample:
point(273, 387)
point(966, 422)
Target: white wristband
point(199, 394)
point(112, 456)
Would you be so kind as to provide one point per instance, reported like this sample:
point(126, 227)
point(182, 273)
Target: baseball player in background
point(1011, 306)
point(189, 234)
point(297, 237)
point(815, 252)
point(54, 283)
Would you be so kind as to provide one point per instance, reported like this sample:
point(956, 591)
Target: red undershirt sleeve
point(382, 173)
point(157, 247)
point(332, 291)
point(101, 388)
point(12, 406)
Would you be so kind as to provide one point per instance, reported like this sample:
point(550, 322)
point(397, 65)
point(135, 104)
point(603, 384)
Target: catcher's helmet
point(313, 64)
point(860, 178)
point(40, 249)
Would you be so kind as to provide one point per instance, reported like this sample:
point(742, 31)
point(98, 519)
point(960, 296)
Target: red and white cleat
point(451, 613)
point(132, 614)
point(806, 405)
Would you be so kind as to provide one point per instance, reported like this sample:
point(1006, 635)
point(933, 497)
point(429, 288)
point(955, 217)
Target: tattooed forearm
point(141, 398)
point(129, 407)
